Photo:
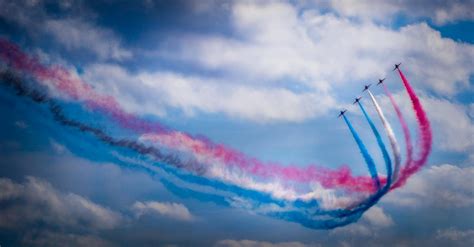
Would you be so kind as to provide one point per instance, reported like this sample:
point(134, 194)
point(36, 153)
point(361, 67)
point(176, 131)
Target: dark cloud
point(44, 216)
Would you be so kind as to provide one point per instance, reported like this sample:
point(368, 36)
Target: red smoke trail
point(425, 135)
point(76, 89)
point(73, 87)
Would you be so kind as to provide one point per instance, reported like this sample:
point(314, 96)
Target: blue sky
point(264, 77)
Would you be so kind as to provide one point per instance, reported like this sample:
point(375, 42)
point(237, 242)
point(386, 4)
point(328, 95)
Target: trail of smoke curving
point(61, 80)
point(73, 87)
point(406, 132)
point(304, 211)
point(363, 150)
point(362, 206)
point(425, 133)
point(386, 157)
point(391, 137)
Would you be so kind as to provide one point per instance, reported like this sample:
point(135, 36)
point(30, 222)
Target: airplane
point(357, 100)
point(366, 87)
point(381, 81)
point(342, 113)
point(396, 66)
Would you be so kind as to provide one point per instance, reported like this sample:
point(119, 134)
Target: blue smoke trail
point(306, 213)
point(386, 156)
point(368, 159)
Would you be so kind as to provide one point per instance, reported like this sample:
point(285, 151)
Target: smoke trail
point(171, 160)
point(386, 157)
point(363, 150)
point(390, 135)
point(74, 88)
point(407, 171)
point(424, 129)
point(304, 211)
point(406, 133)
point(358, 208)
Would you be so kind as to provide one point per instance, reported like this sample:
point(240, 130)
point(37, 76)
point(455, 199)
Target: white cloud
point(37, 201)
point(171, 210)
point(323, 51)
point(441, 12)
point(371, 222)
point(377, 217)
point(452, 125)
point(252, 243)
point(57, 147)
point(453, 128)
point(457, 237)
point(284, 64)
point(153, 93)
point(76, 34)
point(444, 186)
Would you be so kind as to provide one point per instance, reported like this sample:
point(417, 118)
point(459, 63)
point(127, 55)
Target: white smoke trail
point(391, 138)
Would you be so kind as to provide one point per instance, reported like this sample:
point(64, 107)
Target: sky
point(265, 78)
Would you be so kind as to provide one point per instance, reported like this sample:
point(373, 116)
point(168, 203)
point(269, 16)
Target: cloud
point(36, 201)
point(454, 128)
point(377, 217)
point(283, 63)
point(57, 147)
point(444, 186)
point(172, 210)
point(371, 222)
point(449, 135)
point(154, 93)
point(53, 239)
point(456, 237)
point(76, 34)
point(441, 12)
point(276, 41)
point(252, 243)
point(21, 124)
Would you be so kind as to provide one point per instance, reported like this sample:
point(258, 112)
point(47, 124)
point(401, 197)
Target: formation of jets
point(366, 87)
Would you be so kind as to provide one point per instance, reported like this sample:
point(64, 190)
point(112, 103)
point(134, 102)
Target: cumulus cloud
point(171, 210)
point(441, 12)
point(456, 237)
point(444, 186)
point(47, 217)
point(452, 125)
point(26, 204)
point(57, 147)
point(283, 63)
point(77, 33)
point(53, 239)
point(252, 243)
point(154, 93)
point(377, 217)
point(454, 128)
point(276, 41)
point(310, 50)
point(371, 222)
